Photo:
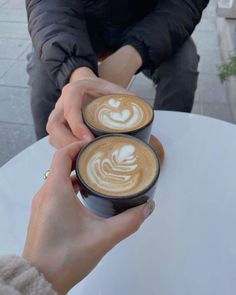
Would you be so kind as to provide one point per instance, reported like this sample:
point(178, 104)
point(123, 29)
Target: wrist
point(82, 73)
point(51, 270)
point(120, 67)
point(132, 55)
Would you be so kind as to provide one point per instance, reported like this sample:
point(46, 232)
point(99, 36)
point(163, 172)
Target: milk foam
point(118, 113)
point(117, 166)
point(115, 173)
point(114, 102)
point(117, 116)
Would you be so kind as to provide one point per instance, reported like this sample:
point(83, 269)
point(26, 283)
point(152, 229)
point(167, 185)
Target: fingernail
point(149, 208)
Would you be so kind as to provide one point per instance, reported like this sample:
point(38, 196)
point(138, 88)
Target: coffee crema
point(118, 113)
point(118, 166)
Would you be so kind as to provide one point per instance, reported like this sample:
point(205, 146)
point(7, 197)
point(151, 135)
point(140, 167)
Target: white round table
point(187, 246)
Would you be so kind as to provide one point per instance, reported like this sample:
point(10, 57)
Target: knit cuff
point(17, 276)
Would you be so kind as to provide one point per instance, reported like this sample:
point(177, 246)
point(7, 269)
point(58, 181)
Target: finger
point(73, 115)
point(126, 223)
point(72, 106)
point(62, 161)
point(61, 136)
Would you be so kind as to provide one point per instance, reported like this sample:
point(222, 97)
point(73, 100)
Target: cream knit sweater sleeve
point(18, 277)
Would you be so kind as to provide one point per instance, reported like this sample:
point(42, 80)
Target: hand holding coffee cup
point(119, 113)
point(62, 231)
point(65, 124)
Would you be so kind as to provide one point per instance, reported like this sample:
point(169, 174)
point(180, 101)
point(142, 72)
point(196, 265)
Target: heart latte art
point(118, 113)
point(117, 166)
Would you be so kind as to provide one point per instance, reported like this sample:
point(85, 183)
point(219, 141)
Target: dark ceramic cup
point(142, 133)
point(107, 206)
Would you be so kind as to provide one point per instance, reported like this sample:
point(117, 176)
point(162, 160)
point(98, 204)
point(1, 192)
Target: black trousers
point(175, 81)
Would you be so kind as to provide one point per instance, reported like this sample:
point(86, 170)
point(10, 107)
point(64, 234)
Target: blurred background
point(215, 38)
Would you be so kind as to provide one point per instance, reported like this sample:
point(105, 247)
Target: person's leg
point(176, 80)
point(43, 93)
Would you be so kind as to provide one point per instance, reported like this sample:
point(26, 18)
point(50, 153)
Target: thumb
point(123, 225)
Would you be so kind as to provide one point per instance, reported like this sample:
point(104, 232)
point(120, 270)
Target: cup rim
point(104, 196)
point(106, 132)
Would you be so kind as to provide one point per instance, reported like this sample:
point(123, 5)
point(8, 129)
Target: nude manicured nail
point(149, 208)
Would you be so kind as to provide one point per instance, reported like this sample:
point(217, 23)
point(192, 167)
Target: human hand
point(65, 241)
point(65, 124)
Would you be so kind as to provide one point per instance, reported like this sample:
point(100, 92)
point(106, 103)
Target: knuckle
point(77, 86)
point(66, 89)
point(48, 126)
point(50, 140)
point(137, 220)
point(136, 226)
point(69, 90)
point(67, 110)
point(50, 122)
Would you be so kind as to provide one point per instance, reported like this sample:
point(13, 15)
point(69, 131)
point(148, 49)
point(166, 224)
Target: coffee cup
point(119, 114)
point(116, 172)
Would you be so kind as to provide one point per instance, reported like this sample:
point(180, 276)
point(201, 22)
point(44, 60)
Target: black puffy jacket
point(65, 32)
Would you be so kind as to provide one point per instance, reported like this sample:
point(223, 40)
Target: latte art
point(117, 166)
point(118, 113)
point(113, 115)
point(114, 172)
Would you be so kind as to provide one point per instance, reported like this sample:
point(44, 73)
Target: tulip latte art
point(117, 166)
point(118, 113)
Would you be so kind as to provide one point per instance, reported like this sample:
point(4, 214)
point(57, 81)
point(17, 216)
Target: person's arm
point(65, 124)
point(120, 67)
point(60, 38)
point(164, 30)
point(65, 240)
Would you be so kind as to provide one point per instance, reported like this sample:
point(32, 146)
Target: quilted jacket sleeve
point(161, 33)
point(59, 35)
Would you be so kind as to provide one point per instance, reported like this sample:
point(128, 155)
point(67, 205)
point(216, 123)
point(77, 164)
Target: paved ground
point(16, 127)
